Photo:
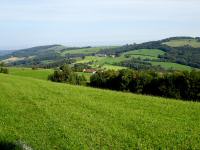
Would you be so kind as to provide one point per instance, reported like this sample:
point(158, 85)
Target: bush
point(66, 75)
point(34, 68)
point(4, 70)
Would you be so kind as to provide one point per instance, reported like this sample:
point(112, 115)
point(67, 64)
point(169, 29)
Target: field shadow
point(9, 146)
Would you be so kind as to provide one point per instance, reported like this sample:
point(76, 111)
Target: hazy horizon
point(25, 24)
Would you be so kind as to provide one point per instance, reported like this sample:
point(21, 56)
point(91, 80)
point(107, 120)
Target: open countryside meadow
point(28, 72)
point(45, 115)
point(183, 42)
point(100, 75)
point(36, 113)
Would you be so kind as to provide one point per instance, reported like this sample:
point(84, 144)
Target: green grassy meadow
point(151, 54)
point(86, 50)
point(175, 66)
point(46, 115)
point(82, 51)
point(142, 53)
point(182, 42)
point(28, 72)
point(112, 67)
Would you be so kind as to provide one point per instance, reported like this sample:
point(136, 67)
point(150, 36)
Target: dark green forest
point(180, 85)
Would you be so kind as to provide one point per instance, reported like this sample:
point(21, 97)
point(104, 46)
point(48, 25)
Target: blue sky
point(26, 23)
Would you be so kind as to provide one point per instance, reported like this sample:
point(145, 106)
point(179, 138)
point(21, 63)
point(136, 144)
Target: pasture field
point(151, 54)
point(177, 43)
point(169, 65)
point(39, 73)
point(86, 50)
point(103, 62)
point(88, 59)
point(112, 67)
point(46, 115)
point(82, 51)
point(28, 72)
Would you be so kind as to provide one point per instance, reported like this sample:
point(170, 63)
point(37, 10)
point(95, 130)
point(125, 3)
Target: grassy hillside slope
point(46, 115)
point(145, 53)
point(28, 72)
point(174, 66)
point(183, 42)
point(83, 51)
point(151, 54)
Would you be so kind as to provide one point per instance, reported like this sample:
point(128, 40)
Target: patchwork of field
point(46, 115)
point(145, 54)
point(142, 53)
point(183, 42)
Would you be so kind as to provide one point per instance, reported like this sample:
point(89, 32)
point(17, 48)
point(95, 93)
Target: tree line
point(180, 85)
point(175, 84)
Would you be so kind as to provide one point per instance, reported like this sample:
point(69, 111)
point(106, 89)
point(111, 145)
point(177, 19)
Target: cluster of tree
point(80, 67)
point(39, 63)
point(179, 38)
point(140, 64)
point(185, 55)
point(3, 69)
point(65, 74)
point(180, 85)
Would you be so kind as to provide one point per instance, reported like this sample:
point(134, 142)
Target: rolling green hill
point(142, 53)
point(87, 50)
point(183, 42)
point(151, 54)
point(83, 51)
point(181, 52)
point(46, 115)
point(174, 66)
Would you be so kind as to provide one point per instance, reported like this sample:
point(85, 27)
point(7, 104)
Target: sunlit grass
point(47, 115)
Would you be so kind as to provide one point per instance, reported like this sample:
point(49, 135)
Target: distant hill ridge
point(182, 50)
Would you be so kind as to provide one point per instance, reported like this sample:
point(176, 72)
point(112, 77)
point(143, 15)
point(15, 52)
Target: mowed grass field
point(183, 42)
point(46, 115)
point(28, 72)
point(86, 50)
point(151, 54)
point(175, 66)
